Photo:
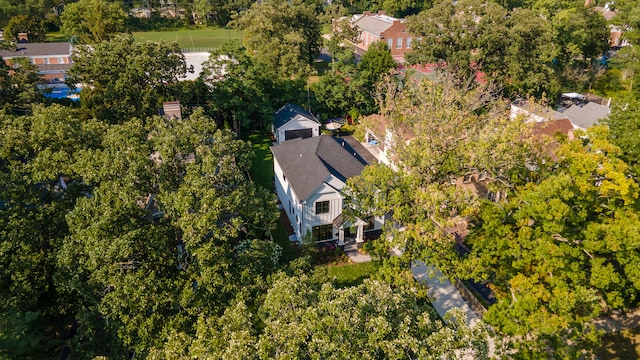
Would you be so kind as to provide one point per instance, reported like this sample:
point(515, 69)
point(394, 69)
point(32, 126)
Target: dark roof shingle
point(288, 112)
point(308, 162)
point(38, 49)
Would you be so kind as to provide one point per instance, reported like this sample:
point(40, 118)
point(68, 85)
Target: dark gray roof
point(288, 112)
point(38, 49)
point(587, 115)
point(308, 162)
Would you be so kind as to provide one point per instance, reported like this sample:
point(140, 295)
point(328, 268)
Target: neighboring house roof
point(539, 110)
point(379, 124)
point(171, 110)
point(288, 112)
point(375, 24)
point(550, 128)
point(38, 49)
point(587, 115)
point(308, 162)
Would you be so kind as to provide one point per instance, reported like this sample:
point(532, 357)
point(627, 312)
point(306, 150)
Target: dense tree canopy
point(283, 36)
point(121, 78)
point(93, 21)
point(564, 248)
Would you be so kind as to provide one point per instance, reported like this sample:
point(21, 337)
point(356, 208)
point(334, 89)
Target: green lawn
point(262, 174)
point(351, 274)
point(198, 39)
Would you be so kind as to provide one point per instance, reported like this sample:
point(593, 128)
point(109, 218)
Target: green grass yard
point(262, 174)
point(198, 39)
point(350, 274)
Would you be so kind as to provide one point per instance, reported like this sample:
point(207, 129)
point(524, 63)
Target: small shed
point(292, 122)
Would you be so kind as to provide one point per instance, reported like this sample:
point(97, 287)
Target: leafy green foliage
point(122, 79)
point(93, 21)
point(564, 249)
point(283, 36)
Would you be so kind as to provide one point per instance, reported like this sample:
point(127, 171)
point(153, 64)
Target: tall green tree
point(563, 250)
point(283, 36)
point(122, 79)
point(239, 89)
point(93, 21)
point(31, 24)
point(464, 37)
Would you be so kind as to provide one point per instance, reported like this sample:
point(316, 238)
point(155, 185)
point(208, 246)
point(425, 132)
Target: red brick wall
point(395, 32)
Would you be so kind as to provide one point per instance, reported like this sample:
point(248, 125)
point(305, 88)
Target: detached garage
point(292, 122)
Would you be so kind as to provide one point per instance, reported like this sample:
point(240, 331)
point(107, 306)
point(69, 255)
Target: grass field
point(262, 174)
point(192, 39)
point(351, 274)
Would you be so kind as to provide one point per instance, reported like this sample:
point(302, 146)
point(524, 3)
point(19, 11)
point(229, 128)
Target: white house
point(292, 121)
point(310, 174)
point(381, 138)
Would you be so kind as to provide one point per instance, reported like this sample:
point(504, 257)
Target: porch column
point(360, 233)
point(341, 236)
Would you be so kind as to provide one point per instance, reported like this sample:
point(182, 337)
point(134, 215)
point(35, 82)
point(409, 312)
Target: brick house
point(381, 27)
point(52, 59)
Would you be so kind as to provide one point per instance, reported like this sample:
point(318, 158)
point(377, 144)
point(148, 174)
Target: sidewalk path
point(617, 322)
point(444, 296)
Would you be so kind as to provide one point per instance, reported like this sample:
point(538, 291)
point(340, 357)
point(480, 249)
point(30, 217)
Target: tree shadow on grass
point(620, 345)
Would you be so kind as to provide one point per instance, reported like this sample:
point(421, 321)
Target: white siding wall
point(298, 123)
point(324, 193)
point(288, 198)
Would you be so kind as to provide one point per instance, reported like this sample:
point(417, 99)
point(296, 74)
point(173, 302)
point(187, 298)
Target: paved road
point(444, 296)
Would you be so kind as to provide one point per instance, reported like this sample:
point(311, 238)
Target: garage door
point(301, 133)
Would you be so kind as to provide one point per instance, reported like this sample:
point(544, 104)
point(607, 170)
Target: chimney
point(23, 37)
point(382, 12)
point(367, 13)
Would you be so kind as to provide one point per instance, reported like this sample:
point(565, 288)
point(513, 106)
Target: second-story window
point(399, 43)
point(409, 43)
point(390, 43)
point(322, 207)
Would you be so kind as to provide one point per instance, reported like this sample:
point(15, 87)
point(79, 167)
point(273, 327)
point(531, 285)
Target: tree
point(529, 56)
point(33, 26)
point(464, 37)
point(375, 62)
point(239, 89)
point(455, 132)
point(624, 126)
point(581, 35)
point(35, 151)
point(122, 79)
point(307, 319)
point(283, 36)
point(93, 21)
point(563, 250)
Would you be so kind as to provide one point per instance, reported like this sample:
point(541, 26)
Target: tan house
point(381, 27)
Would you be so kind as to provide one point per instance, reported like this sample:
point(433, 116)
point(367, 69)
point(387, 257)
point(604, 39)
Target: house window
point(46, 60)
point(322, 207)
point(390, 43)
point(60, 60)
point(323, 232)
point(409, 43)
point(284, 177)
point(399, 43)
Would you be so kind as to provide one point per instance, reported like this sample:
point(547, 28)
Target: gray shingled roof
point(38, 49)
point(587, 115)
point(308, 162)
point(288, 112)
point(374, 24)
